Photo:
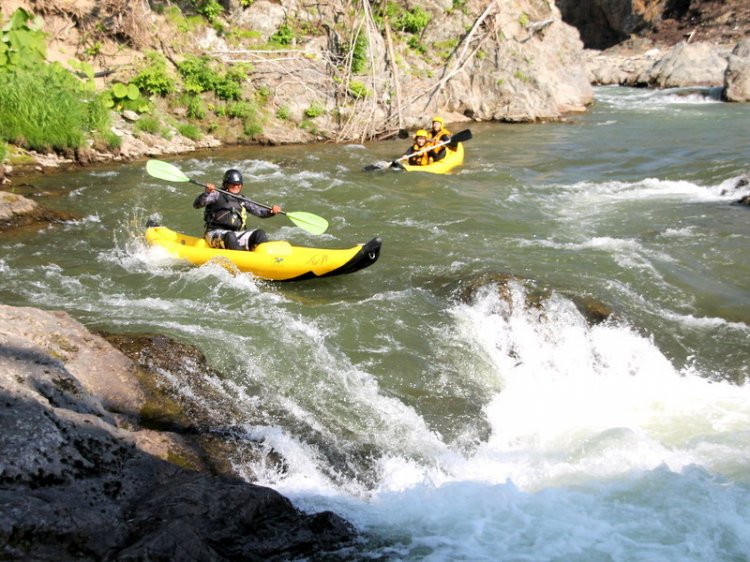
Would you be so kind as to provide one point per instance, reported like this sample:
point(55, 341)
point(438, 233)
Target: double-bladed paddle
point(168, 172)
point(461, 136)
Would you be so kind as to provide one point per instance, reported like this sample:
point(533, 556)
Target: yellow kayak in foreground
point(452, 159)
point(276, 260)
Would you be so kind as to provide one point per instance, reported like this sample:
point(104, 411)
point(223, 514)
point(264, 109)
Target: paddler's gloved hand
point(275, 210)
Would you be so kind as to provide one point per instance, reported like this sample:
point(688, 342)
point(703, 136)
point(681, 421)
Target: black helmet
point(232, 176)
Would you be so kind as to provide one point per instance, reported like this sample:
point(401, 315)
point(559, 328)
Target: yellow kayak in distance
point(277, 260)
point(452, 159)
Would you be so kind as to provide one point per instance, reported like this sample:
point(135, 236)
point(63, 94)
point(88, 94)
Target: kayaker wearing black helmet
point(225, 216)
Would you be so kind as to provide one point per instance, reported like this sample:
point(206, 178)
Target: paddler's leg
point(251, 238)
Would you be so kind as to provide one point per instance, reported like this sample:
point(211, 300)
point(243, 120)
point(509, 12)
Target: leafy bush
point(240, 110)
point(314, 111)
point(358, 90)
point(282, 37)
point(412, 21)
point(282, 113)
point(22, 43)
point(359, 54)
point(227, 89)
point(153, 78)
point(197, 74)
point(3, 151)
point(195, 108)
point(209, 9)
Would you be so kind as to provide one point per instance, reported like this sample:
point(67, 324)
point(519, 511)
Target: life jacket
point(441, 136)
point(226, 212)
point(420, 159)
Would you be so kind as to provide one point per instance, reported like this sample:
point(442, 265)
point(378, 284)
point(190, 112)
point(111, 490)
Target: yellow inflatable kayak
point(276, 260)
point(452, 159)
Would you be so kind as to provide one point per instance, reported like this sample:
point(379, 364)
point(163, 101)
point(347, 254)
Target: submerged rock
point(593, 311)
point(17, 210)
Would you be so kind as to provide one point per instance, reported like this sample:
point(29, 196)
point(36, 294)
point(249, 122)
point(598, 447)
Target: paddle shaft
point(458, 137)
point(237, 195)
point(422, 150)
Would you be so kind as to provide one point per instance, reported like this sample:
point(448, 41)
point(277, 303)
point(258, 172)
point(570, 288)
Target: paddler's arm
point(261, 212)
point(208, 196)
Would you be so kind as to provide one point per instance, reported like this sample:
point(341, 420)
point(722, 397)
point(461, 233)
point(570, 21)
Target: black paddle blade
point(461, 136)
point(376, 166)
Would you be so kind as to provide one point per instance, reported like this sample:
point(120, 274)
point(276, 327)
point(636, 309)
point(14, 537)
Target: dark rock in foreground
point(80, 479)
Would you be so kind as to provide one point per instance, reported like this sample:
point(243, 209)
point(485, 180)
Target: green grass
point(47, 109)
point(190, 131)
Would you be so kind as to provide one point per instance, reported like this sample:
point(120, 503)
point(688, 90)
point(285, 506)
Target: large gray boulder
point(737, 77)
point(690, 64)
point(80, 479)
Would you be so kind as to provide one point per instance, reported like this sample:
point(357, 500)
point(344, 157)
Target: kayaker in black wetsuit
point(438, 134)
point(420, 143)
point(225, 216)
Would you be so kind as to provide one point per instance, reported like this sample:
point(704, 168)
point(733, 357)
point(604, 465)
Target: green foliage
point(459, 5)
point(111, 140)
point(190, 131)
point(523, 19)
point(263, 93)
point(195, 108)
point(22, 43)
point(238, 72)
point(282, 113)
point(197, 74)
point(209, 9)
point(246, 3)
point(240, 110)
point(123, 96)
point(358, 90)
point(175, 16)
point(314, 111)
point(153, 77)
point(97, 113)
point(412, 21)
point(148, 124)
point(415, 44)
point(227, 89)
point(85, 71)
point(252, 127)
point(444, 49)
point(282, 37)
point(3, 151)
point(359, 54)
point(45, 109)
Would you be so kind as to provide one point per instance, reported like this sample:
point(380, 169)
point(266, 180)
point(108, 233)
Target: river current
point(453, 424)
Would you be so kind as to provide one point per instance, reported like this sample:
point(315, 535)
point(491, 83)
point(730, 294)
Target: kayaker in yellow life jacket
point(225, 216)
point(438, 134)
point(420, 144)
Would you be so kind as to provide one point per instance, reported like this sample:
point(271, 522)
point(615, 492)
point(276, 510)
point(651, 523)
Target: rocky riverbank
point(512, 61)
point(104, 460)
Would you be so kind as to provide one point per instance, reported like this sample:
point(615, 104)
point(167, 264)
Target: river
point(445, 422)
